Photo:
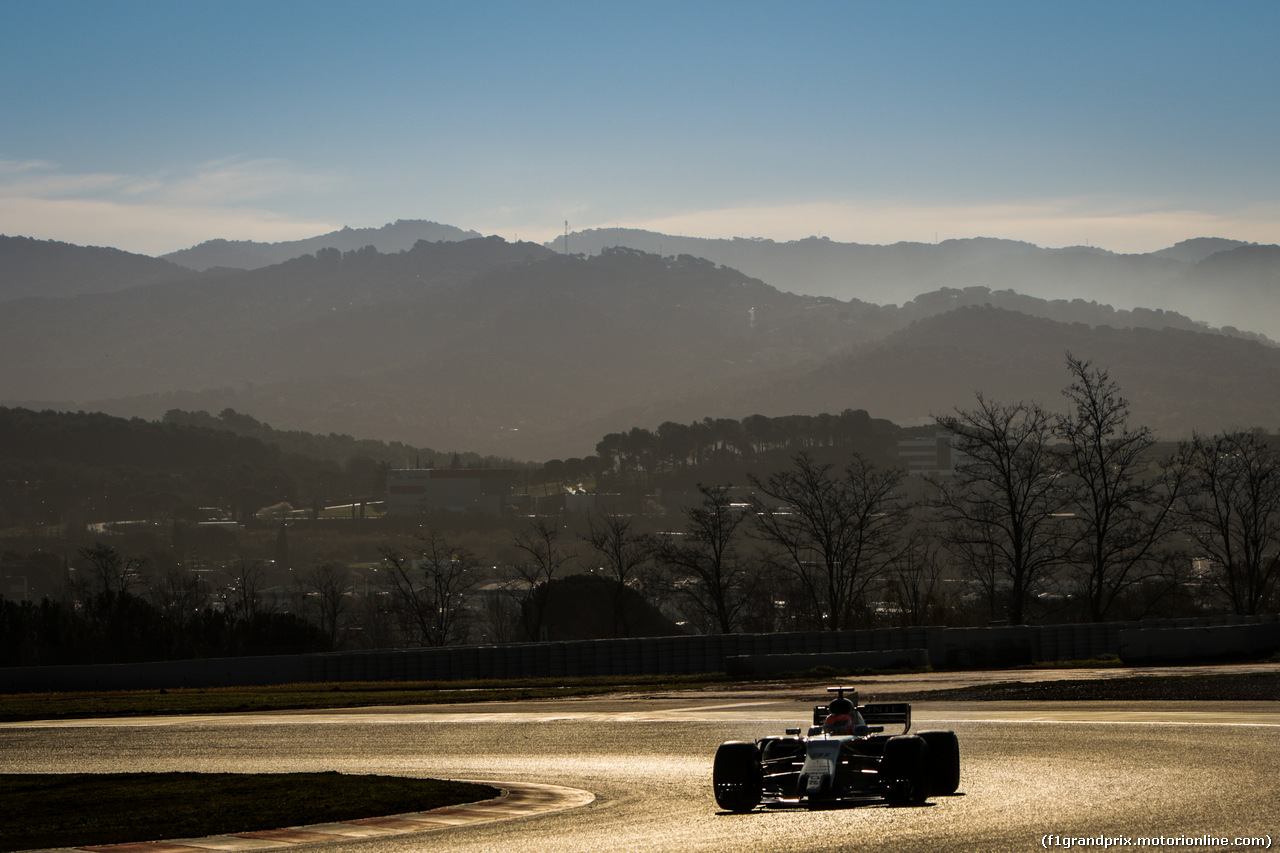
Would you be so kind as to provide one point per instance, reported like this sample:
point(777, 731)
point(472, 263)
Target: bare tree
point(1123, 513)
point(979, 557)
point(834, 532)
point(1231, 509)
point(496, 616)
point(709, 572)
point(430, 586)
point(177, 594)
point(244, 595)
point(328, 587)
point(110, 572)
point(914, 581)
point(1003, 512)
point(624, 555)
point(544, 558)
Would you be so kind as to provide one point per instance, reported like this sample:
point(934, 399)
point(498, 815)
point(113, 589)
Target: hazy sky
point(152, 126)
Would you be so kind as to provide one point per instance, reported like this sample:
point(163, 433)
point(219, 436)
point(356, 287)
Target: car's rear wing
point(887, 714)
point(874, 714)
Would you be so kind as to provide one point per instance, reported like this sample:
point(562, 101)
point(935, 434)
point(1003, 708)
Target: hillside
point(330, 447)
point(1195, 250)
point(514, 350)
point(309, 317)
point(47, 268)
point(55, 466)
point(1175, 380)
point(478, 345)
point(248, 255)
point(1071, 311)
point(1215, 281)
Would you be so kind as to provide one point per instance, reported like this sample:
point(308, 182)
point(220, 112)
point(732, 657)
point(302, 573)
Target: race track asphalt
point(1123, 770)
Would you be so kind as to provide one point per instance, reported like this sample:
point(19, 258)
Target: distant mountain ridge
point(1071, 311)
point(1213, 280)
point(1197, 249)
point(1173, 378)
point(1176, 380)
point(395, 236)
point(512, 349)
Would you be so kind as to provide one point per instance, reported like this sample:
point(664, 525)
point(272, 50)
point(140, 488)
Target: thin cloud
point(40, 180)
point(152, 229)
point(8, 167)
point(227, 181)
point(230, 181)
point(158, 212)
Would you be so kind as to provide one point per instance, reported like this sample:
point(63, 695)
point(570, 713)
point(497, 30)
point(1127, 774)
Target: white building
point(934, 456)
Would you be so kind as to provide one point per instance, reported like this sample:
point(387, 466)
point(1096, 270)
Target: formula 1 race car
point(844, 758)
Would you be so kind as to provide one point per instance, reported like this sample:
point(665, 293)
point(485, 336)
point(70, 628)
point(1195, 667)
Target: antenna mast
point(566, 236)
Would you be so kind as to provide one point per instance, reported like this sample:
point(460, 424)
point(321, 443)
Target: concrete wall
point(943, 648)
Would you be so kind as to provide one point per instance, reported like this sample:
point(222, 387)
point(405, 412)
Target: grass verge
point(83, 809)
point(20, 707)
point(17, 707)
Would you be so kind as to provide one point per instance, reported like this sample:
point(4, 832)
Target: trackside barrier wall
point(1175, 645)
point(1156, 641)
point(775, 664)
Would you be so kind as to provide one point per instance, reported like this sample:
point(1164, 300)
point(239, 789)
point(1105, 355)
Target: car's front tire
point(736, 776)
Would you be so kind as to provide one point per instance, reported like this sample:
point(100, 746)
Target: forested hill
point(396, 236)
point(511, 349)
point(92, 467)
point(334, 447)
point(1172, 377)
point(1070, 311)
point(1218, 281)
point(48, 268)
point(56, 466)
point(479, 344)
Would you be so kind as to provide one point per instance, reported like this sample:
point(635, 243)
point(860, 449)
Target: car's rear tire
point(944, 762)
point(904, 770)
point(736, 776)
